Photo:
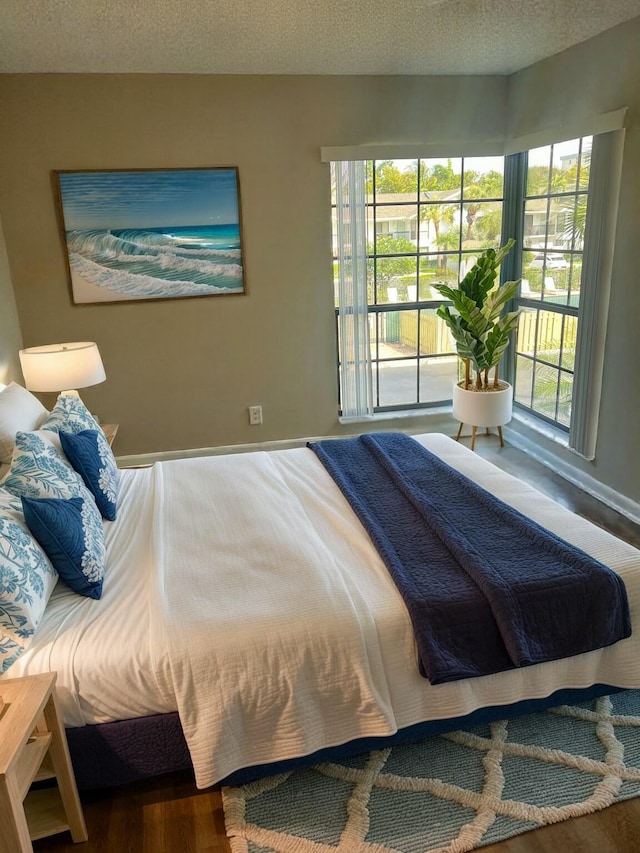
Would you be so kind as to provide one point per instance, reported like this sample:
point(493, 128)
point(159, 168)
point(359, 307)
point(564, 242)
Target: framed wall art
point(151, 233)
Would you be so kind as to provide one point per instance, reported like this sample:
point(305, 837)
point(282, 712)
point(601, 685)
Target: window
point(566, 207)
point(425, 222)
point(555, 210)
point(402, 225)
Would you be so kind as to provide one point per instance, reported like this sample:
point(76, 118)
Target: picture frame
point(148, 234)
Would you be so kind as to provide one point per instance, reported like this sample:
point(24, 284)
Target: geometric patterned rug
point(449, 793)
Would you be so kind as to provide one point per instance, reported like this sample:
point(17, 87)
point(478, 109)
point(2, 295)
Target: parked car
point(554, 261)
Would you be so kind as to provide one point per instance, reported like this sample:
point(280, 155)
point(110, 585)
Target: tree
point(435, 179)
point(388, 263)
point(575, 226)
point(439, 177)
point(537, 180)
point(437, 215)
point(489, 226)
point(483, 185)
point(390, 179)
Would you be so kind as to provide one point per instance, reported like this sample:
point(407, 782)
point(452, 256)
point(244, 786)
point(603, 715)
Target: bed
point(247, 621)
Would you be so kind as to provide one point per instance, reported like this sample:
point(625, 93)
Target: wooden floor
point(169, 814)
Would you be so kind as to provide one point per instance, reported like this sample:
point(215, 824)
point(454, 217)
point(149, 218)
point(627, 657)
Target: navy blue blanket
point(487, 589)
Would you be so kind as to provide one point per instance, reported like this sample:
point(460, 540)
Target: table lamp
point(62, 367)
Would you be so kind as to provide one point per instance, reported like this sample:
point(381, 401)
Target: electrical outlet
point(255, 415)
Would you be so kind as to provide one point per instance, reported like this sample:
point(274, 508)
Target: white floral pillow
point(71, 415)
point(27, 579)
point(38, 469)
point(71, 535)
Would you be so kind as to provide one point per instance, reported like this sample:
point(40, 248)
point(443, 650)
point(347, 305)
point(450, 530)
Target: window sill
point(397, 415)
point(542, 428)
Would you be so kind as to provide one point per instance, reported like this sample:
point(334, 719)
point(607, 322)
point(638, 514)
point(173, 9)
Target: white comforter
point(243, 592)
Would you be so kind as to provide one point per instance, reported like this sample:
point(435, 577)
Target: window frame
point(607, 131)
point(592, 313)
point(520, 200)
point(379, 309)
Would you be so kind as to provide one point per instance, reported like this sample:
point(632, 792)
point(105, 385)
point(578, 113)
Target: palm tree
point(434, 179)
point(438, 215)
point(574, 228)
point(486, 185)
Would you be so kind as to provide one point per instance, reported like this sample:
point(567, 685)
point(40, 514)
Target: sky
point(537, 157)
point(149, 198)
point(540, 156)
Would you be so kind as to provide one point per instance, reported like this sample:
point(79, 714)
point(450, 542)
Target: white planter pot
point(483, 408)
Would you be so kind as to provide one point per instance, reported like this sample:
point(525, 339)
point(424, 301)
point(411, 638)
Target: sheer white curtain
point(356, 389)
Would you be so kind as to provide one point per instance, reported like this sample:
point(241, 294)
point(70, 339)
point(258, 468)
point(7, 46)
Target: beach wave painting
point(152, 234)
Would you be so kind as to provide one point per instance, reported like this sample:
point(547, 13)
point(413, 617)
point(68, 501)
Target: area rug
point(450, 793)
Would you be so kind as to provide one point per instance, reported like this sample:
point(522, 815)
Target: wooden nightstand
point(110, 431)
point(33, 747)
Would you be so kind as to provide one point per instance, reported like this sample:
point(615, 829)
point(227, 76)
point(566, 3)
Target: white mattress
point(243, 592)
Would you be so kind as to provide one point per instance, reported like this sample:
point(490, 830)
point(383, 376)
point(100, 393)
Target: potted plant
point(481, 331)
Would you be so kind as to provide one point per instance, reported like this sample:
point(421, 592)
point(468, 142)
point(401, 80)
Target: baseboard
point(145, 459)
point(627, 507)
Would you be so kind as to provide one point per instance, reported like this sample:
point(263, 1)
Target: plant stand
point(474, 431)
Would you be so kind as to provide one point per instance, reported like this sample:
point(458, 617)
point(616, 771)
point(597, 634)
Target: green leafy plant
point(480, 328)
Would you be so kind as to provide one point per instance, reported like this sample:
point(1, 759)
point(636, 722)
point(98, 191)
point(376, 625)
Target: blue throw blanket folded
point(487, 589)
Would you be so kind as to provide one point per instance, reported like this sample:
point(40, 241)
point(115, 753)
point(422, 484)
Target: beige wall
point(10, 335)
point(594, 77)
point(181, 373)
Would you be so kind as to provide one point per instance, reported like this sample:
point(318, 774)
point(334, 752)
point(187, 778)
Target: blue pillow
point(90, 454)
point(67, 532)
point(26, 581)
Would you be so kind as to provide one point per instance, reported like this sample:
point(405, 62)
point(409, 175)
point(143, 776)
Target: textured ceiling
point(296, 36)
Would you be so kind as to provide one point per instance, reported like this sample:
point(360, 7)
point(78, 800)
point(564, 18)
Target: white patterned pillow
point(38, 472)
point(26, 581)
point(71, 415)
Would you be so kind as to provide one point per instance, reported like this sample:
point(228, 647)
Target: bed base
point(126, 751)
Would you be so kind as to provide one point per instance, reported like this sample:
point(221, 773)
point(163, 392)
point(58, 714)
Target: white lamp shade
point(62, 367)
